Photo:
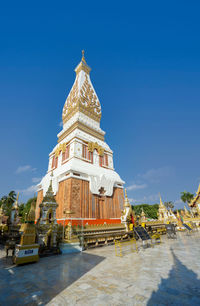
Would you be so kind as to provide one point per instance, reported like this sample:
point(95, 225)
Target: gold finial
point(142, 213)
point(17, 196)
point(161, 202)
point(83, 56)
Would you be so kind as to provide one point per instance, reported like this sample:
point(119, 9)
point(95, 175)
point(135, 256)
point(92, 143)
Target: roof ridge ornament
point(83, 57)
point(83, 66)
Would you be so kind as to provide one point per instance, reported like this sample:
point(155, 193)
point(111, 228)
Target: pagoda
point(81, 168)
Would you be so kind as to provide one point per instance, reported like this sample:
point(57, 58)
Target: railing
point(120, 244)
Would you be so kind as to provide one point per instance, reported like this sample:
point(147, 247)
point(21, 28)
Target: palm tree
point(7, 202)
point(186, 197)
point(12, 196)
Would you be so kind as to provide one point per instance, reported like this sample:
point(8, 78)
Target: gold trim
point(94, 145)
point(82, 99)
point(22, 260)
point(82, 66)
point(61, 148)
point(82, 127)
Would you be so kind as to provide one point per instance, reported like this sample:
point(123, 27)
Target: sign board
point(142, 233)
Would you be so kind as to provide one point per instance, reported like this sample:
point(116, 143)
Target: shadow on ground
point(182, 287)
point(38, 283)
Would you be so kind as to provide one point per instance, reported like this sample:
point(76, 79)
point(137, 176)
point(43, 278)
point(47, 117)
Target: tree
point(169, 205)
point(24, 209)
point(186, 197)
point(7, 202)
point(149, 210)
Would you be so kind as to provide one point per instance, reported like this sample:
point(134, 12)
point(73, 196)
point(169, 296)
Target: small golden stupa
point(27, 250)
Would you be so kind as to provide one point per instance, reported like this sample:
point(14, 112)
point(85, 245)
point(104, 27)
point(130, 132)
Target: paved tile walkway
point(167, 274)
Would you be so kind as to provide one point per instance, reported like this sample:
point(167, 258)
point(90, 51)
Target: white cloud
point(36, 179)
point(29, 190)
point(154, 175)
point(26, 168)
point(136, 186)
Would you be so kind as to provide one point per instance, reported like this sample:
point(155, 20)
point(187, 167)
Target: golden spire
point(83, 57)
point(143, 213)
point(83, 65)
point(161, 202)
point(126, 202)
point(31, 214)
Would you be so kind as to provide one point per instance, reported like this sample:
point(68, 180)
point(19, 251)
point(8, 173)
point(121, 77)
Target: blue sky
point(145, 60)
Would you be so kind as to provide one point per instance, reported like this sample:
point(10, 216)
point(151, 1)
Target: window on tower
point(54, 162)
point(87, 154)
point(65, 155)
point(103, 160)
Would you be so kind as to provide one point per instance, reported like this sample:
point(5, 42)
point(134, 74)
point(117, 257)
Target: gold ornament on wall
point(95, 146)
point(61, 147)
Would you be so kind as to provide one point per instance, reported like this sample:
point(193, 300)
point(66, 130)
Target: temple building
point(84, 181)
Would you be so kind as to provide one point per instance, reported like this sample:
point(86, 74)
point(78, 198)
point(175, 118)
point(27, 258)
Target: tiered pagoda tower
point(84, 181)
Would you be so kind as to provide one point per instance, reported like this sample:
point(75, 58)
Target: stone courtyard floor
point(166, 274)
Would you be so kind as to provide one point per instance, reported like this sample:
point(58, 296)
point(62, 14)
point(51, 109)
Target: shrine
point(81, 168)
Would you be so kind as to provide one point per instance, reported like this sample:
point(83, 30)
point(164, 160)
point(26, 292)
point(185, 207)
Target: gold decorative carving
point(82, 99)
point(95, 146)
point(61, 147)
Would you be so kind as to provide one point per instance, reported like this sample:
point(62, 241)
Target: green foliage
point(24, 209)
point(7, 202)
point(149, 210)
point(169, 205)
point(186, 197)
